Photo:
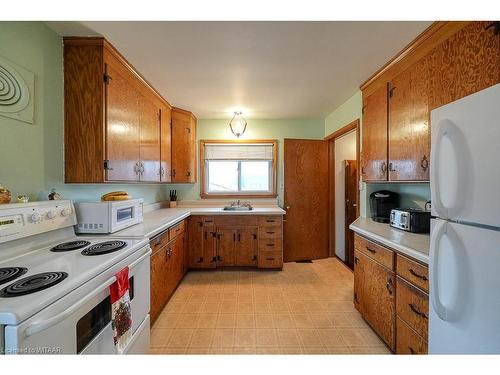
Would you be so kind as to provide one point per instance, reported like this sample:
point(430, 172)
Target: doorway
point(343, 172)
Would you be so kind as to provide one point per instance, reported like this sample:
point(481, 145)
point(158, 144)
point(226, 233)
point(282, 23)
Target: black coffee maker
point(381, 204)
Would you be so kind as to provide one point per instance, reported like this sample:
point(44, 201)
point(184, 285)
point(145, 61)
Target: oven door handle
point(38, 327)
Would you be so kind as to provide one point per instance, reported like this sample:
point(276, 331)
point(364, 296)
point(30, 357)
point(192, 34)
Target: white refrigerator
point(464, 265)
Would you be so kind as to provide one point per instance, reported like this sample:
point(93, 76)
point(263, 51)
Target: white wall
point(345, 149)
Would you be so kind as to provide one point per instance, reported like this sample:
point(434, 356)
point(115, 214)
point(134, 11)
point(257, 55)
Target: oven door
point(125, 214)
point(81, 321)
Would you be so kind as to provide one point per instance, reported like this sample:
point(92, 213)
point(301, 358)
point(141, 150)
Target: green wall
point(412, 195)
point(256, 129)
point(32, 155)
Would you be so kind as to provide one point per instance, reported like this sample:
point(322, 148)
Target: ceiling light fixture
point(238, 124)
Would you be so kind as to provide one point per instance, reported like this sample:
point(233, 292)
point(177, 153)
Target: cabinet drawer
point(270, 233)
point(270, 221)
point(176, 230)
point(270, 259)
point(408, 341)
point(414, 272)
point(375, 251)
point(270, 244)
point(236, 220)
point(412, 305)
point(159, 241)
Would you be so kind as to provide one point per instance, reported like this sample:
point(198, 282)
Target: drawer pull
point(415, 310)
point(270, 259)
point(371, 250)
point(270, 221)
point(270, 232)
point(270, 244)
point(254, 257)
point(200, 260)
point(412, 351)
point(417, 275)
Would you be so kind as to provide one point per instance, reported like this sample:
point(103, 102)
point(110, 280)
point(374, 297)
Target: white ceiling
point(269, 69)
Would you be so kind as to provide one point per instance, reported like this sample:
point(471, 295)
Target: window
point(238, 168)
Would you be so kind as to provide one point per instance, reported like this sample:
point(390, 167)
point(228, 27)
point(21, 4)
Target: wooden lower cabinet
point(391, 296)
point(241, 241)
point(167, 269)
point(374, 296)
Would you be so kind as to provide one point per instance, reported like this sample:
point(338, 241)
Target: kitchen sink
point(238, 208)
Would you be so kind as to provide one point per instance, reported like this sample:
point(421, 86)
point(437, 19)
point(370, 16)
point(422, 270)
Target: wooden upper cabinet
point(467, 62)
point(122, 125)
point(183, 146)
point(112, 117)
point(374, 160)
point(166, 143)
point(149, 169)
point(409, 130)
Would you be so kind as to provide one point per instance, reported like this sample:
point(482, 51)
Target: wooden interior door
point(374, 160)
point(150, 141)
point(409, 130)
point(226, 239)
point(306, 199)
point(166, 144)
point(246, 247)
point(122, 126)
point(351, 208)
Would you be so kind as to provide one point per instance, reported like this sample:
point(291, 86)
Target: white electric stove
point(54, 286)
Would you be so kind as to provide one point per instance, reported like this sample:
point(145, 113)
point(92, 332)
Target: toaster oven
point(411, 220)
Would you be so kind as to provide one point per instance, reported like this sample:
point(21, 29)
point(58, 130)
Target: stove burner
point(10, 273)
point(104, 247)
point(69, 246)
point(32, 284)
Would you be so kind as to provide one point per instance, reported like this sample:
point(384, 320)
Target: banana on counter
point(116, 196)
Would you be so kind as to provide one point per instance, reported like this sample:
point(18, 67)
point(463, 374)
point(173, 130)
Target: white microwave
point(108, 217)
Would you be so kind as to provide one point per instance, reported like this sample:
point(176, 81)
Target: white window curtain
point(244, 151)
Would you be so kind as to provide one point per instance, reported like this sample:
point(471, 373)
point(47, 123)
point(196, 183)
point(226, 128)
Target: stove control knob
point(65, 211)
point(35, 217)
point(51, 214)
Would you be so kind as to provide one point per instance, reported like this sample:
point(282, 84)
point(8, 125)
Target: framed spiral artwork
point(16, 91)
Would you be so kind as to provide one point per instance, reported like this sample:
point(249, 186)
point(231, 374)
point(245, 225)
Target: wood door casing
point(374, 152)
point(183, 146)
point(166, 144)
point(351, 205)
point(409, 130)
point(306, 199)
point(465, 63)
point(246, 247)
point(149, 140)
point(226, 243)
point(374, 288)
point(122, 127)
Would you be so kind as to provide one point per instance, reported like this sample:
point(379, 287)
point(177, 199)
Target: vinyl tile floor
point(305, 309)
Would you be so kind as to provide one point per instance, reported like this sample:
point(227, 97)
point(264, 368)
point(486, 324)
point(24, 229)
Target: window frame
point(251, 194)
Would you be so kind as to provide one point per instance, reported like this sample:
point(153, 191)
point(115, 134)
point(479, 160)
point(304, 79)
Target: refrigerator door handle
point(438, 232)
point(434, 170)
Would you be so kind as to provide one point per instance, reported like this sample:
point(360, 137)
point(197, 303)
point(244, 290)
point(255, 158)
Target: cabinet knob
point(383, 167)
point(424, 163)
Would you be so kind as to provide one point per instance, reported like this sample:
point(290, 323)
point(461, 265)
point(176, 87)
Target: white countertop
point(163, 218)
point(414, 245)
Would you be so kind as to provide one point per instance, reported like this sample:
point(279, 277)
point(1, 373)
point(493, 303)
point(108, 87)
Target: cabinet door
point(209, 246)
point(159, 282)
point(165, 144)
point(177, 259)
point(374, 160)
point(196, 233)
point(150, 141)
point(374, 286)
point(465, 63)
point(183, 146)
point(226, 239)
point(246, 247)
point(409, 130)
point(122, 125)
